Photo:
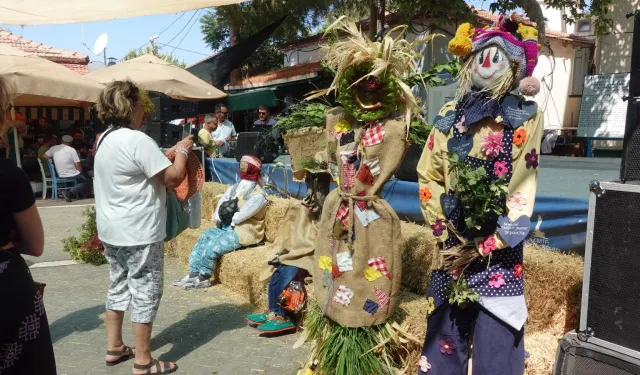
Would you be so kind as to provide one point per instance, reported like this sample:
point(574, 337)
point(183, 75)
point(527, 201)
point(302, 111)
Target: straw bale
point(239, 272)
point(276, 212)
point(211, 192)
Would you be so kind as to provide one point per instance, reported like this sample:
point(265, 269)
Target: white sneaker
point(198, 284)
point(187, 280)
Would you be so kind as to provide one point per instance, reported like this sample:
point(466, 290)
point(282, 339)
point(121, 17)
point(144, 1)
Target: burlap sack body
point(381, 238)
point(304, 144)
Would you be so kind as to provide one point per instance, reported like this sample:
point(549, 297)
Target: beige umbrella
point(38, 82)
point(155, 74)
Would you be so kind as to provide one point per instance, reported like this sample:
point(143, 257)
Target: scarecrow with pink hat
point(477, 180)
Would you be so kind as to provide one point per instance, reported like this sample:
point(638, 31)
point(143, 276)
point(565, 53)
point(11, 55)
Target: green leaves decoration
point(460, 294)
point(303, 115)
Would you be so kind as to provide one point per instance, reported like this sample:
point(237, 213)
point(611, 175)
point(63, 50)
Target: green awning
point(252, 99)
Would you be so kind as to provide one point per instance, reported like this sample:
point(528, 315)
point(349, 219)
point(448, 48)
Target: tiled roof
point(67, 58)
point(293, 73)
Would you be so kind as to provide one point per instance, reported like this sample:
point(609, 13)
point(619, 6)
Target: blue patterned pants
point(212, 244)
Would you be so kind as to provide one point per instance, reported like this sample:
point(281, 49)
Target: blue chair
point(57, 183)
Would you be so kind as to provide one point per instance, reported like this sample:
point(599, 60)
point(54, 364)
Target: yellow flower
point(499, 119)
point(430, 305)
point(342, 127)
point(325, 263)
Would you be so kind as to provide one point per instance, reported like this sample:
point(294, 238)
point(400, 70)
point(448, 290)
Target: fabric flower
point(342, 127)
point(496, 281)
point(455, 274)
point(447, 346)
point(424, 364)
point(425, 194)
point(519, 136)
point(492, 144)
point(460, 126)
point(438, 228)
point(517, 201)
point(500, 169)
point(430, 305)
point(499, 119)
point(487, 245)
point(430, 143)
point(517, 270)
point(532, 159)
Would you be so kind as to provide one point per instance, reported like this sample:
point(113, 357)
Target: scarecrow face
point(367, 92)
point(489, 65)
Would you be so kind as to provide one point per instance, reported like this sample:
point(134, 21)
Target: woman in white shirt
point(131, 176)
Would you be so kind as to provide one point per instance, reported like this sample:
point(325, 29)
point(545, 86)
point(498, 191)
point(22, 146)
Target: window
point(584, 26)
point(581, 63)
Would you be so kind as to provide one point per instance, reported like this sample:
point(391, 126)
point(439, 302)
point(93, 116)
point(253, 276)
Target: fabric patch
point(347, 138)
point(345, 262)
point(382, 297)
point(516, 201)
point(372, 274)
point(343, 214)
point(532, 159)
point(431, 142)
point(361, 204)
point(371, 307)
point(366, 216)
point(348, 157)
point(325, 263)
point(335, 272)
point(373, 135)
point(343, 295)
point(342, 127)
point(348, 175)
point(500, 168)
point(364, 175)
point(424, 364)
point(380, 264)
point(425, 194)
point(374, 166)
point(326, 280)
point(334, 170)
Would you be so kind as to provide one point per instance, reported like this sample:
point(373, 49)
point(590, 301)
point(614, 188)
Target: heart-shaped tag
point(449, 204)
point(514, 232)
point(517, 110)
point(461, 146)
point(444, 123)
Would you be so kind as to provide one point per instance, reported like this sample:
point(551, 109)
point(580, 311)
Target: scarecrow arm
point(251, 207)
point(431, 177)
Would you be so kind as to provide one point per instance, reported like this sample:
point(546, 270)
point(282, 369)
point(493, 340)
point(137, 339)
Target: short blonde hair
point(117, 103)
point(5, 99)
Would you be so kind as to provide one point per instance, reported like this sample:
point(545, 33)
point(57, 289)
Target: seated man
point(67, 163)
point(239, 218)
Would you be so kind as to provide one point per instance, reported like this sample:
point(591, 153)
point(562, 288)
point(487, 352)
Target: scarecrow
point(477, 180)
point(239, 219)
point(357, 260)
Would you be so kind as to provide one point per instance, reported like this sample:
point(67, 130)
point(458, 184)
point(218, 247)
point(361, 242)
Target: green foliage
point(303, 115)
point(460, 294)
point(346, 96)
point(84, 248)
point(431, 77)
point(419, 131)
point(478, 194)
point(153, 50)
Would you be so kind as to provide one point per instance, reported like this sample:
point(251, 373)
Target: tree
point(153, 50)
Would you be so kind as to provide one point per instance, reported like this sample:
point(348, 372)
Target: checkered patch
point(343, 295)
point(380, 264)
point(374, 166)
point(348, 157)
point(348, 175)
point(382, 297)
point(373, 135)
point(343, 214)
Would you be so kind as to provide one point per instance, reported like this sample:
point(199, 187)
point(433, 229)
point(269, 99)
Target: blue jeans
point(81, 185)
point(212, 244)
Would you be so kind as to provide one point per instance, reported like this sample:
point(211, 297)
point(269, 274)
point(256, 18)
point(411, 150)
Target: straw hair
point(117, 103)
point(503, 86)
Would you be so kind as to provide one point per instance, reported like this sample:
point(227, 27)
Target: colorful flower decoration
point(425, 194)
point(342, 127)
point(517, 270)
point(532, 159)
point(496, 281)
point(447, 346)
point(519, 136)
point(500, 169)
point(460, 126)
point(438, 228)
point(430, 305)
point(517, 201)
point(455, 274)
point(492, 144)
point(431, 141)
point(424, 364)
point(499, 120)
point(487, 245)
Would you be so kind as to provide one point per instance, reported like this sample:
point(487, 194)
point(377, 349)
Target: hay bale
point(276, 213)
point(211, 192)
point(416, 257)
point(239, 272)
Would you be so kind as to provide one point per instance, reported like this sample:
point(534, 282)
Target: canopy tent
point(48, 12)
point(155, 74)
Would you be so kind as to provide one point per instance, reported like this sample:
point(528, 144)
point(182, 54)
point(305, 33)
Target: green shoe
point(278, 325)
point(257, 319)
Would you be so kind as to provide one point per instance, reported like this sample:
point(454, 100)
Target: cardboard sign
point(461, 146)
point(444, 123)
point(518, 111)
point(514, 232)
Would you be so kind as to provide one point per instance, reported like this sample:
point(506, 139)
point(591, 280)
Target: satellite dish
point(100, 44)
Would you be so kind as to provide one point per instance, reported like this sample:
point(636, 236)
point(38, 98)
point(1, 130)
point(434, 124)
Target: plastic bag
point(194, 209)
point(293, 297)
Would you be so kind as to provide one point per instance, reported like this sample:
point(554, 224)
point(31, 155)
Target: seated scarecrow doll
point(239, 218)
point(477, 178)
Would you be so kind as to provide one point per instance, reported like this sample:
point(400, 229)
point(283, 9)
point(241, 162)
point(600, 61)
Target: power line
point(172, 23)
point(182, 49)
point(185, 26)
point(187, 33)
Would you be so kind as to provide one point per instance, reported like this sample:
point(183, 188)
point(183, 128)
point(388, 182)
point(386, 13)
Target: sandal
point(124, 354)
point(156, 363)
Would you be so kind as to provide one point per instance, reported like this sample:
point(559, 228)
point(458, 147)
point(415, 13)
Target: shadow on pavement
point(197, 329)
point(78, 321)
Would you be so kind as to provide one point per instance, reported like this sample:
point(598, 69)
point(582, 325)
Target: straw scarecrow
point(357, 260)
point(477, 181)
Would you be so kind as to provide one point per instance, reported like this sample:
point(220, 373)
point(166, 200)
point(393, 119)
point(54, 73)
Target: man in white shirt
point(67, 164)
point(225, 131)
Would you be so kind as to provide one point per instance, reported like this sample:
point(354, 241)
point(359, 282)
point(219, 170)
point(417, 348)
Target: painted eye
point(497, 57)
point(481, 57)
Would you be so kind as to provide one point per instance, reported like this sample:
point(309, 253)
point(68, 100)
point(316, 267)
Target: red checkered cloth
point(343, 295)
point(348, 175)
point(380, 264)
point(343, 214)
point(373, 135)
point(382, 297)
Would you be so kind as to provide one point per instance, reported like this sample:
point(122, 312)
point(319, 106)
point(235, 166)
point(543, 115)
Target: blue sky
point(125, 34)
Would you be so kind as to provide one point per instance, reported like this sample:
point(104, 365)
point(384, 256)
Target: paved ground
point(204, 331)
point(570, 177)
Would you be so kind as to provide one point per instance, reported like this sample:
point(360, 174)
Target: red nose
point(486, 63)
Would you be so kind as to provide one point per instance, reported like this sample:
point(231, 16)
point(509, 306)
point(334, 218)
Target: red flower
point(430, 143)
point(517, 270)
point(447, 346)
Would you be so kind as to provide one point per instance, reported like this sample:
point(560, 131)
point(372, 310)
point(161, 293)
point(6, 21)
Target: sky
point(177, 30)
